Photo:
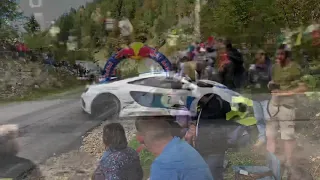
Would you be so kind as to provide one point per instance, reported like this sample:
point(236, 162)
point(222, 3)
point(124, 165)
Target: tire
point(105, 107)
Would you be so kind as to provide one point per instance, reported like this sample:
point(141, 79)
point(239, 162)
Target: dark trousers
point(212, 143)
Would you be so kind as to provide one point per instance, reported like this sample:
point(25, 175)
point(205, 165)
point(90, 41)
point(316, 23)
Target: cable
point(203, 106)
point(268, 110)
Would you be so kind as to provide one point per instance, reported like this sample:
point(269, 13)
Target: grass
point(146, 158)
point(242, 157)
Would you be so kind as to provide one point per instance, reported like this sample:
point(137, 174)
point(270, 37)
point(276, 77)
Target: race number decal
point(166, 100)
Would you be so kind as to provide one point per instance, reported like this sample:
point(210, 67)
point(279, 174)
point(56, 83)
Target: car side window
point(143, 82)
point(160, 82)
point(171, 84)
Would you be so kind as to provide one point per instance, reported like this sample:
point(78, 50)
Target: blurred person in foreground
point(118, 161)
point(259, 77)
point(286, 83)
point(216, 134)
point(175, 158)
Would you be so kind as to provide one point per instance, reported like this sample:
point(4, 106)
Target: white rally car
point(150, 94)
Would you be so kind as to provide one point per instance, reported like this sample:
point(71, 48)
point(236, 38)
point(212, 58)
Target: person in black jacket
point(237, 59)
point(215, 133)
point(225, 68)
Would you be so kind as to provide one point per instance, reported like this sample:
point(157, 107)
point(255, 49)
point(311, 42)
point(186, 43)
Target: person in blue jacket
point(175, 158)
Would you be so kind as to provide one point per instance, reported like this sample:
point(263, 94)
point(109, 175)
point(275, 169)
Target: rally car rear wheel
point(105, 106)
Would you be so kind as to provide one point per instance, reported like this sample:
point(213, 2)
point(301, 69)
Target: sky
point(50, 9)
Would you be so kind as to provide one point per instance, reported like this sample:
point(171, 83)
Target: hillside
point(85, 29)
point(19, 80)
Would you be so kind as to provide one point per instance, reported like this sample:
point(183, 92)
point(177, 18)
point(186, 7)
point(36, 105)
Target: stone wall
point(18, 78)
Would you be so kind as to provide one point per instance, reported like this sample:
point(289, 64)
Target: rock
point(57, 84)
point(36, 87)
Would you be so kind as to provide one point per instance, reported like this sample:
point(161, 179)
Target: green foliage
point(32, 26)
point(152, 18)
point(8, 33)
point(128, 68)
point(245, 21)
point(8, 11)
point(311, 81)
point(146, 158)
point(36, 41)
point(255, 21)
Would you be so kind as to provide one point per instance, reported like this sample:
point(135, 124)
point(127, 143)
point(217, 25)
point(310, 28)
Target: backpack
point(236, 134)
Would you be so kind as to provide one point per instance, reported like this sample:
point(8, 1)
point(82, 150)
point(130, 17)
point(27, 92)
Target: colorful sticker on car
point(162, 100)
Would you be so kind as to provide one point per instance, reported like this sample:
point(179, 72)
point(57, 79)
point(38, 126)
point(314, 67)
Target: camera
point(274, 86)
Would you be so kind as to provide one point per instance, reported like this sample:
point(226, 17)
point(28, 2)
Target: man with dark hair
point(225, 68)
point(118, 161)
point(213, 133)
point(175, 159)
point(236, 57)
point(286, 82)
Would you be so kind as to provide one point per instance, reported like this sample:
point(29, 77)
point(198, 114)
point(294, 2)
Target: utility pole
point(197, 10)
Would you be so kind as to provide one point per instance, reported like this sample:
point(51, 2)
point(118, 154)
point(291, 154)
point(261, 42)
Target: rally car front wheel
point(105, 106)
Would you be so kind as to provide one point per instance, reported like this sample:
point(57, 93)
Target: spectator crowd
point(20, 51)
point(188, 149)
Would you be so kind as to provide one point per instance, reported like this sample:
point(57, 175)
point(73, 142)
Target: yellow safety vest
point(244, 118)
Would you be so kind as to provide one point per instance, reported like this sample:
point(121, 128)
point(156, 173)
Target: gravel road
point(78, 164)
point(47, 128)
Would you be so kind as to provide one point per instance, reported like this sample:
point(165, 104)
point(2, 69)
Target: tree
point(8, 33)
point(296, 13)
point(8, 11)
point(249, 21)
point(32, 26)
point(66, 24)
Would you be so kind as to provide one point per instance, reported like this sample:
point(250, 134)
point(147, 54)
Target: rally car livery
point(150, 94)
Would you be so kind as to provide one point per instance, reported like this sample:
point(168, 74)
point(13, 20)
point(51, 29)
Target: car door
point(143, 98)
point(159, 95)
point(170, 95)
